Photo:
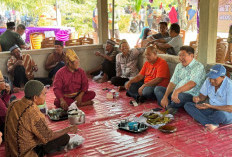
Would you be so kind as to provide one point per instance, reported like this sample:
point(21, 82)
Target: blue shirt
point(142, 32)
point(191, 13)
point(222, 97)
point(195, 72)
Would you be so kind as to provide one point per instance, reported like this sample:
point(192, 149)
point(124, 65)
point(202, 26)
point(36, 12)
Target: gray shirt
point(175, 42)
point(126, 66)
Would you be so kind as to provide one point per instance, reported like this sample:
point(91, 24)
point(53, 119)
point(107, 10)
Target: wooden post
point(102, 21)
point(208, 31)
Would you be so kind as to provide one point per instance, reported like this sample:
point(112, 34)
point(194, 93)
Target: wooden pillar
point(102, 21)
point(208, 31)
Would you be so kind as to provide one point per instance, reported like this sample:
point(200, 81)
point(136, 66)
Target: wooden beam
point(102, 21)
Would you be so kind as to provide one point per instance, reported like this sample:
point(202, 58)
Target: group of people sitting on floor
point(26, 132)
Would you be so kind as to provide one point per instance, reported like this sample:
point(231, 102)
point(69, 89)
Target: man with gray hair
point(26, 130)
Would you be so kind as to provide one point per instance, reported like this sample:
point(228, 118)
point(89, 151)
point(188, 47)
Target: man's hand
point(140, 90)
point(196, 99)
point(73, 129)
point(127, 86)
point(35, 68)
point(7, 88)
point(164, 102)
point(63, 104)
point(203, 106)
point(19, 62)
point(78, 99)
point(175, 98)
point(98, 53)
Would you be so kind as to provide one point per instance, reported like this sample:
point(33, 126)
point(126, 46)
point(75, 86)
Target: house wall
point(86, 54)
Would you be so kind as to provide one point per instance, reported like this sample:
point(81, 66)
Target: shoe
point(172, 111)
point(99, 76)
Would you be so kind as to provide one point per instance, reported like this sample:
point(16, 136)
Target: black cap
point(57, 42)
point(10, 24)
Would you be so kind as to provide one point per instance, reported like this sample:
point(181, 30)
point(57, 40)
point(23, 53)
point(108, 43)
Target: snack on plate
point(168, 129)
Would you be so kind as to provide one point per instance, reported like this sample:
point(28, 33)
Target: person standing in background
point(149, 16)
point(116, 19)
point(142, 15)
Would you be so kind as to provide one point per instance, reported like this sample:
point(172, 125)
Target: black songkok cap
point(57, 42)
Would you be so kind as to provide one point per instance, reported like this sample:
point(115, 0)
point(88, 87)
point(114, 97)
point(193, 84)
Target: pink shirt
point(67, 82)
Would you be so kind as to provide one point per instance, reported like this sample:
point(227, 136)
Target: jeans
point(183, 97)
point(148, 92)
point(208, 116)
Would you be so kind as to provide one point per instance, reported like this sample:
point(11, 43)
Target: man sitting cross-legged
point(218, 88)
point(108, 65)
point(71, 84)
point(185, 83)
point(26, 131)
point(173, 43)
point(56, 59)
point(155, 72)
point(126, 64)
point(20, 66)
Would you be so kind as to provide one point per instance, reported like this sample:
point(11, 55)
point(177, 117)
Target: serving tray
point(134, 127)
point(57, 114)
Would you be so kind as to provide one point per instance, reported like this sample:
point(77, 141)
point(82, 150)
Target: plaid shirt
point(126, 66)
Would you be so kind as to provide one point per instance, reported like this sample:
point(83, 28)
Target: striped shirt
point(28, 64)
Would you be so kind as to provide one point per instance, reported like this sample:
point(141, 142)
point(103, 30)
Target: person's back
point(25, 128)
point(10, 38)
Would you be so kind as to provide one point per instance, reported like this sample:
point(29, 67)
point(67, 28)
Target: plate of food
point(131, 126)
point(57, 114)
point(167, 128)
point(155, 119)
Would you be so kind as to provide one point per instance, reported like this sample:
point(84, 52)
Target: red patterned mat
point(102, 138)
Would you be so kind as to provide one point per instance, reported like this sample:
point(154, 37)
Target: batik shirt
point(28, 64)
point(195, 72)
point(25, 128)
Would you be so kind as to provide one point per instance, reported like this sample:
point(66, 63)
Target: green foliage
point(124, 23)
point(138, 4)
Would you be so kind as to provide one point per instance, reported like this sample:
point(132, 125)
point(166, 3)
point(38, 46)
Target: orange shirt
point(158, 69)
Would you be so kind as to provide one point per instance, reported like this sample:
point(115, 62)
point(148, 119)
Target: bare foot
point(101, 80)
point(211, 127)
